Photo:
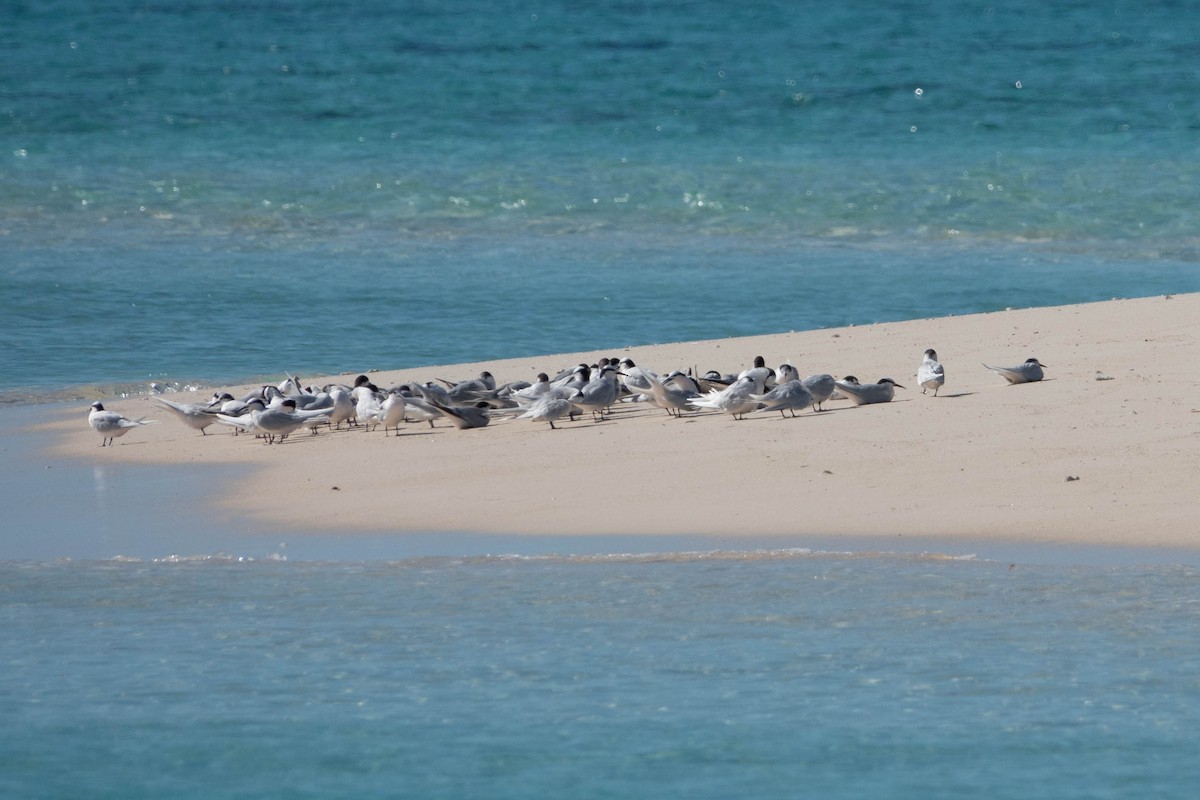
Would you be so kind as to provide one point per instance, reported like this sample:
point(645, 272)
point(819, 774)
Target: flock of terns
point(272, 413)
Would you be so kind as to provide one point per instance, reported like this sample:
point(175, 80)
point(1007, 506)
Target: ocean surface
point(206, 192)
point(201, 193)
point(768, 675)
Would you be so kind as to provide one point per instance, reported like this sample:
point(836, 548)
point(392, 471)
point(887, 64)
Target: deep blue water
point(212, 191)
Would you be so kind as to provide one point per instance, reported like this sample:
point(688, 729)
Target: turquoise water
point(210, 191)
point(677, 676)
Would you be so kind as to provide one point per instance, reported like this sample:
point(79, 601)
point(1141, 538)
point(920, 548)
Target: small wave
point(89, 392)
point(28, 395)
point(218, 558)
point(210, 558)
point(686, 556)
point(437, 563)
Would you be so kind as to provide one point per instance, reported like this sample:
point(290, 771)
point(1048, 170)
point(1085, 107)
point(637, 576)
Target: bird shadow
point(426, 432)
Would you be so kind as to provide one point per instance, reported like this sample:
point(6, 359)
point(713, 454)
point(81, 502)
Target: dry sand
point(1106, 450)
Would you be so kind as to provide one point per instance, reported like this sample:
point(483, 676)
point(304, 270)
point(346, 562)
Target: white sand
point(1117, 411)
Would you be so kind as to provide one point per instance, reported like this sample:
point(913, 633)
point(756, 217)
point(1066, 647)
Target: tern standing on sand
point(821, 386)
point(735, 400)
point(931, 375)
point(276, 424)
point(195, 415)
point(110, 424)
point(548, 409)
point(790, 396)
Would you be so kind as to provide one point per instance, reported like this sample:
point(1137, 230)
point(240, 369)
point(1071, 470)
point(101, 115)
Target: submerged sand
point(1105, 450)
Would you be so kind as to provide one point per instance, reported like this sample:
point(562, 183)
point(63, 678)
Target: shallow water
point(672, 676)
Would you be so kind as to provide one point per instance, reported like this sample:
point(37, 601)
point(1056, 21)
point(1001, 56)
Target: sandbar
point(1104, 451)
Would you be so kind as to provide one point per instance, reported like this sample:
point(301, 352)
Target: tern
point(469, 391)
point(110, 424)
point(276, 424)
point(197, 416)
point(344, 406)
point(762, 375)
point(363, 380)
point(534, 390)
point(548, 409)
point(1028, 372)
point(862, 394)
point(431, 391)
point(465, 417)
point(367, 406)
point(575, 377)
point(735, 400)
point(821, 386)
point(417, 407)
point(931, 375)
point(290, 386)
point(386, 409)
point(713, 380)
point(600, 393)
point(314, 400)
point(391, 412)
point(672, 398)
point(238, 408)
point(683, 381)
point(636, 379)
point(785, 397)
